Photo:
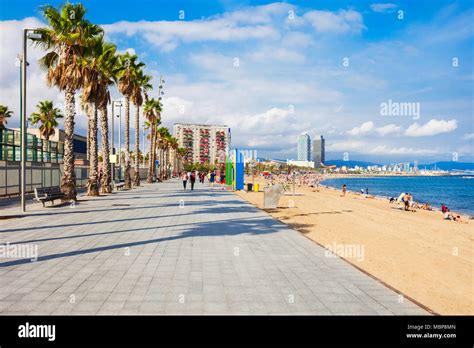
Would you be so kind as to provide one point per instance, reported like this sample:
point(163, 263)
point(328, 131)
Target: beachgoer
point(406, 201)
point(344, 189)
point(366, 190)
point(184, 177)
point(192, 179)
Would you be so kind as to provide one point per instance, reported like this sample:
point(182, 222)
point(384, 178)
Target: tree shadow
point(264, 225)
point(117, 208)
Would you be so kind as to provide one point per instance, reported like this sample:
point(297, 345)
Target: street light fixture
point(27, 34)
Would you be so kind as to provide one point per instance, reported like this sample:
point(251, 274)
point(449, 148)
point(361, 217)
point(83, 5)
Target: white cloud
point(342, 21)
point(388, 129)
point(250, 23)
point(468, 136)
point(370, 128)
point(363, 129)
point(432, 127)
point(383, 7)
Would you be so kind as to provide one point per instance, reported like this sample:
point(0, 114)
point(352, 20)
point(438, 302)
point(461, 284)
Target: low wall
point(38, 174)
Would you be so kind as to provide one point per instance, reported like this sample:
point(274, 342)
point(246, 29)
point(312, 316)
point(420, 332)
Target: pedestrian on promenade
point(192, 179)
point(212, 177)
point(184, 177)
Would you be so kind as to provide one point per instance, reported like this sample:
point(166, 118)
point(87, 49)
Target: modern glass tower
point(319, 152)
point(304, 147)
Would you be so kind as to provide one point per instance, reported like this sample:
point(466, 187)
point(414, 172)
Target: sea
point(456, 191)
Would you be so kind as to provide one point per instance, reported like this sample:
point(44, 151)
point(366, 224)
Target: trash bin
point(249, 186)
point(256, 187)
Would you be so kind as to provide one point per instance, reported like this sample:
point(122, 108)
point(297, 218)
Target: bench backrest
point(48, 191)
point(39, 192)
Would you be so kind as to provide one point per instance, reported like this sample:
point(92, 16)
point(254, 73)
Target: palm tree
point(89, 98)
point(162, 143)
point(4, 114)
point(152, 113)
point(181, 153)
point(100, 70)
point(127, 84)
point(173, 145)
point(109, 69)
point(66, 38)
point(48, 116)
point(142, 84)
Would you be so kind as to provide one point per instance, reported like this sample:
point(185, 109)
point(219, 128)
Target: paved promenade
point(160, 250)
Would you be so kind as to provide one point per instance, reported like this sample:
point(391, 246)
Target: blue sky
point(272, 70)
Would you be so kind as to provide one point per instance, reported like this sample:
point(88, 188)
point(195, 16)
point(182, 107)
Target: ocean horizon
point(457, 192)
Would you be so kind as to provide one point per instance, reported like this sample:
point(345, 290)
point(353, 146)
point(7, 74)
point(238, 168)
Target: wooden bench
point(119, 185)
point(48, 194)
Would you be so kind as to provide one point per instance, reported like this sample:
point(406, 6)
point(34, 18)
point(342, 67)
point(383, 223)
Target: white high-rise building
point(304, 147)
point(203, 142)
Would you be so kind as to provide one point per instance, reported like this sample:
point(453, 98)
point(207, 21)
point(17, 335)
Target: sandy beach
point(429, 259)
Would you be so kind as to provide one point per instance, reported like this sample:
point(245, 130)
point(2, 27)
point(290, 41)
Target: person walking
point(344, 189)
point(184, 177)
point(193, 179)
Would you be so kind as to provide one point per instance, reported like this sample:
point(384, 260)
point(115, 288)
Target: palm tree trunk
point(46, 139)
point(88, 137)
point(151, 159)
point(106, 167)
point(128, 180)
point(161, 162)
point(92, 182)
point(136, 179)
point(68, 180)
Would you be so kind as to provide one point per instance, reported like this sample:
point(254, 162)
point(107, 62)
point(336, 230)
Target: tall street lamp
point(119, 104)
point(143, 144)
point(27, 34)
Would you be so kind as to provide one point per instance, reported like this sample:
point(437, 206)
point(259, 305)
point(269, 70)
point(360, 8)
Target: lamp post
point(27, 34)
point(119, 104)
point(113, 132)
point(143, 144)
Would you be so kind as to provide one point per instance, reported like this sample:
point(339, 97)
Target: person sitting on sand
point(406, 202)
point(412, 202)
point(444, 208)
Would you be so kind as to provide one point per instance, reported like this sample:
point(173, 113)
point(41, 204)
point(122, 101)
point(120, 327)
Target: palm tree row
point(78, 58)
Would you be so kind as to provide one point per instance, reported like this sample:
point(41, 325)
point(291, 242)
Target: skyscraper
point(304, 147)
point(319, 152)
